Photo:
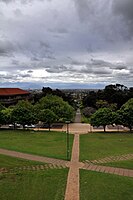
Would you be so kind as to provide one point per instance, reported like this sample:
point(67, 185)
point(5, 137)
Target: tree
point(48, 117)
point(7, 115)
point(90, 99)
point(126, 113)
point(102, 117)
point(23, 113)
point(1, 118)
point(1, 114)
point(56, 104)
point(88, 111)
point(116, 94)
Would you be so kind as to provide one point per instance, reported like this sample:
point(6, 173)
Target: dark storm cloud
point(84, 9)
point(30, 71)
point(124, 8)
point(58, 40)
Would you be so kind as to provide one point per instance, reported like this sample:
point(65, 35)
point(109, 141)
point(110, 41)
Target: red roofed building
point(10, 96)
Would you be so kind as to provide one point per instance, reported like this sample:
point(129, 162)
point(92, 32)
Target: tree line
point(111, 106)
point(48, 109)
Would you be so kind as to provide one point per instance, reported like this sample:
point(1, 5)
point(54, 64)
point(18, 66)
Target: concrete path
point(77, 126)
point(35, 158)
point(110, 170)
point(72, 189)
point(74, 163)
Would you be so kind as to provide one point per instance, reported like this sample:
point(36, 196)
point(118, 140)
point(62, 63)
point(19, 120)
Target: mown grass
point(50, 144)
point(41, 185)
point(9, 162)
point(127, 164)
point(99, 186)
point(99, 145)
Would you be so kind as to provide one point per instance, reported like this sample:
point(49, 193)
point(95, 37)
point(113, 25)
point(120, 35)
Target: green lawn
point(50, 144)
point(127, 164)
point(100, 186)
point(9, 162)
point(48, 184)
point(99, 145)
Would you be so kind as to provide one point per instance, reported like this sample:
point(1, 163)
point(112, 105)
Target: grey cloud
point(30, 71)
point(125, 9)
point(22, 1)
point(59, 30)
point(25, 75)
point(17, 12)
point(84, 9)
point(6, 48)
point(44, 45)
point(56, 69)
point(75, 62)
point(15, 62)
point(7, 1)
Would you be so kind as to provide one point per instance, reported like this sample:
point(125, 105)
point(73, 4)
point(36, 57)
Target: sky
point(66, 43)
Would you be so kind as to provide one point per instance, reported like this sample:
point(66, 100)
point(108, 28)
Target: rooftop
point(12, 91)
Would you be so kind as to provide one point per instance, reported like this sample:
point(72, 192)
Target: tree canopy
point(126, 113)
point(102, 117)
point(23, 113)
point(62, 109)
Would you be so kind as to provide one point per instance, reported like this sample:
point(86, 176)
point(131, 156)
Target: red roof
point(12, 91)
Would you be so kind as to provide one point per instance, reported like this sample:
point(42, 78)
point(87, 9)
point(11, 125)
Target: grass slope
point(127, 164)
point(8, 162)
point(50, 144)
point(49, 185)
point(100, 186)
point(99, 145)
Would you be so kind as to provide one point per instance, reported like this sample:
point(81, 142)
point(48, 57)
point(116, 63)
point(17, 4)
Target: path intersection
point(73, 184)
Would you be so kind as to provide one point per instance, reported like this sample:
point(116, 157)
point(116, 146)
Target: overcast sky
point(66, 43)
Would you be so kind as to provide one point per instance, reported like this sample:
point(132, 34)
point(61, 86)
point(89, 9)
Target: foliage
point(47, 116)
point(113, 95)
point(126, 113)
point(1, 118)
point(23, 113)
point(1, 107)
point(1, 114)
point(102, 117)
point(62, 109)
point(104, 104)
point(7, 115)
point(90, 100)
point(47, 91)
point(88, 111)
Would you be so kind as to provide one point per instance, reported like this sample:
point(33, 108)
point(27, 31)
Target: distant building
point(10, 96)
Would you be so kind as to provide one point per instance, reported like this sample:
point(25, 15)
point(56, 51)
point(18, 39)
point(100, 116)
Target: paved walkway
point(35, 158)
point(72, 189)
point(110, 159)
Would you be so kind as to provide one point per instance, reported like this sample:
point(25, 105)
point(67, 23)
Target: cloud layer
point(60, 42)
